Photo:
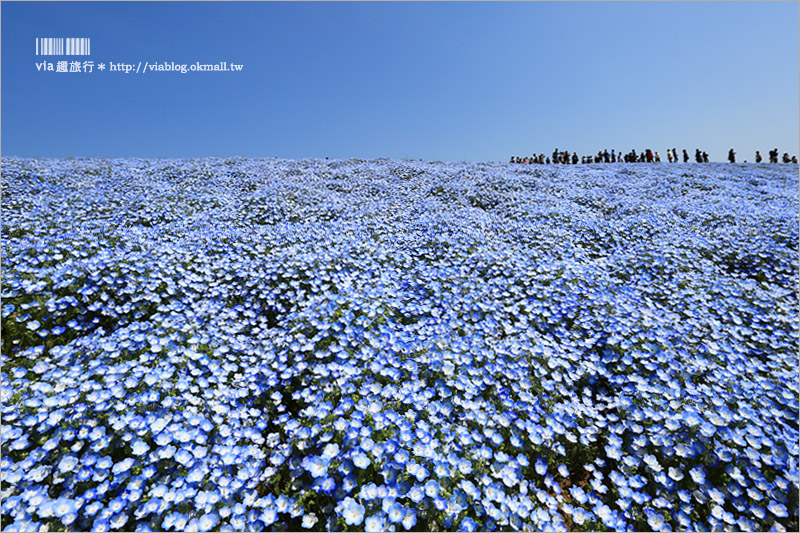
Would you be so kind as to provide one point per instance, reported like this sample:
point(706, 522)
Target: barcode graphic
point(61, 46)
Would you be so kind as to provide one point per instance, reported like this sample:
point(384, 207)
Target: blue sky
point(444, 81)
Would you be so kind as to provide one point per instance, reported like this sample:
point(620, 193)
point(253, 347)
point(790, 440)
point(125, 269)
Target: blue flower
point(208, 521)
point(316, 466)
point(123, 466)
point(467, 524)
point(697, 474)
point(309, 519)
point(352, 512)
point(369, 491)
point(268, 516)
point(417, 493)
point(675, 473)
point(655, 520)
point(68, 463)
point(375, 523)
point(578, 494)
point(330, 451)
point(579, 515)
point(396, 512)
point(431, 489)
point(140, 447)
point(778, 509)
point(232, 342)
point(361, 460)
point(540, 466)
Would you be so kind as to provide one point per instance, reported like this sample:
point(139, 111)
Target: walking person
point(758, 157)
point(732, 156)
point(685, 156)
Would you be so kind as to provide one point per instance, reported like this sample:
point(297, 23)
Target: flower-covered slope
point(244, 344)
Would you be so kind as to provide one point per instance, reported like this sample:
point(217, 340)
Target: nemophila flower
point(352, 512)
point(308, 522)
point(417, 493)
point(745, 524)
point(758, 511)
point(578, 494)
point(707, 429)
point(652, 462)
point(467, 524)
point(268, 516)
point(654, 519)
point(371, 319)
point(117, 521)
point(326, 484)
point(716, 495)
point(697, 474)
point(540, 466)
point(207, 521)
point(330, 451)
point(140, 447)
point(613, 452)
point(184, 457)
point(361, 460)
point(316, 466)
point(675, 473)
point(630, 461)
point(122, 466)
point(375, 523)
point(778, 509)
point(431, 489)
point(369, 491)
point(396, 512)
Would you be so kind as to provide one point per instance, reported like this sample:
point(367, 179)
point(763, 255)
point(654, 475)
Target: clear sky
point(445, 81)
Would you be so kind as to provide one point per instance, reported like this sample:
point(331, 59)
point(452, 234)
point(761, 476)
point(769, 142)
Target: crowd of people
point(646, 156)
point(773, 157)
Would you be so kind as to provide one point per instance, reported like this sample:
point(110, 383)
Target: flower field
point(237, 345)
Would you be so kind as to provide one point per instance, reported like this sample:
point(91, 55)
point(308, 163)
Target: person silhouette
point(758, 157)
point(732, 156)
